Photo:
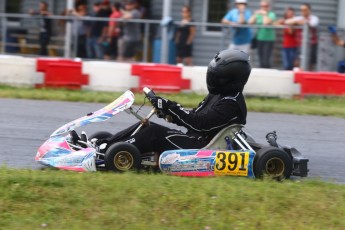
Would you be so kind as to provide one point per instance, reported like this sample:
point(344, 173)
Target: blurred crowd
point(265, 37)
point(122, 40)
point(109, 40)
point(98, 38)
point(119, 40)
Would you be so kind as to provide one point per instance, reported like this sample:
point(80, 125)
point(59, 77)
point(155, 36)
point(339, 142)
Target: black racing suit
point(213, 114)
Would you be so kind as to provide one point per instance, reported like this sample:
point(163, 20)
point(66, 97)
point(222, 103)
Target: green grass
point(324, 106)
point(31, 199)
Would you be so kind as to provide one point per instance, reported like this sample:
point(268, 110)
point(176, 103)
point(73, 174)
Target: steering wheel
point(150, 94)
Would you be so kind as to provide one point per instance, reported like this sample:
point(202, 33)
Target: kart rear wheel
point(100, 135)
point(272, 162)
point(122, 157)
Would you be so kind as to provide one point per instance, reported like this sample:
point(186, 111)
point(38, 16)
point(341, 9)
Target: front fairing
point(56, 152)
point(123, 102)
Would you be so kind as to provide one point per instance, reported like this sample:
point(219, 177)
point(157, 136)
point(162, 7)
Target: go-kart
point(231, 152)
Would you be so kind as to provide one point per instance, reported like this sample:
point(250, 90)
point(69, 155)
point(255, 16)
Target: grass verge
point(31, 199)
point(324, 106)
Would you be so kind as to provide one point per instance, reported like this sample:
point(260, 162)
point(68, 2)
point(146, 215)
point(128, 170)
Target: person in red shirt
point(313, 22)
point(113, 33)
point(290, 41)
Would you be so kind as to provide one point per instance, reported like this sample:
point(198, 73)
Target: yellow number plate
point(231, 163)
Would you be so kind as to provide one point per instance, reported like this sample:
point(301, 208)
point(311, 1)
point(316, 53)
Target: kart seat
point(218, 141)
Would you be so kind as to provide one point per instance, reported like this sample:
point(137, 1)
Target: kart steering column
point(144, 121)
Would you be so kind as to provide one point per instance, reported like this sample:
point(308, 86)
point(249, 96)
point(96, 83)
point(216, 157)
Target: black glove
point(160, 103)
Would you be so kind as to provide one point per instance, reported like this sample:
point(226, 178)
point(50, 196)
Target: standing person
point(239, 16)
point(313, 21)
point(80, 30)
point(184, 38)
point(290, 41)
point(113, 33)
point(339, 42)
point(96, 34)
point(131, 31)
point(106, 10)
point(45, 27)
point(265, 36)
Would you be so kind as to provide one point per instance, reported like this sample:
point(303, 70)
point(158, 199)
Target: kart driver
point(227, 74)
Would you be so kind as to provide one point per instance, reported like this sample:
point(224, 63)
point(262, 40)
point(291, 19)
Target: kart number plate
point(231, 163)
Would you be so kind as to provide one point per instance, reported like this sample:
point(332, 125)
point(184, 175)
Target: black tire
point(100, 135)
point(122, 157)
point(273, 162)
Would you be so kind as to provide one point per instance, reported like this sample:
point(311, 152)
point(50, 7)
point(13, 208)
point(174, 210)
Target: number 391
point(233, 160)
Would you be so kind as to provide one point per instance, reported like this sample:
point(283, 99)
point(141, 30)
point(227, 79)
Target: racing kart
point(231, 152)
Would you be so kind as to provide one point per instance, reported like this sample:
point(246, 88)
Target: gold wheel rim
point(123, 160)
point(275, 167)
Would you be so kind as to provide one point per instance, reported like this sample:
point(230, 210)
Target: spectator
point(241, 36)
point(80, 30)
point(120, 42)
point(184, 38)
point(131, 31)
point(106, 10)
point(96, 34)
point(45, 27)
point(113, 33)
point(290, 42)
point(313, 21)
point(339, 42)
point(144, 13)
point(79, 2)
point(265, 36)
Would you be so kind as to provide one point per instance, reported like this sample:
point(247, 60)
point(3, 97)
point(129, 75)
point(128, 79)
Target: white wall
point(262, 82)
point(109, 76)
point(18, 71)
point(271, 83)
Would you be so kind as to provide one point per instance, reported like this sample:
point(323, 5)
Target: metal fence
point(63, 41)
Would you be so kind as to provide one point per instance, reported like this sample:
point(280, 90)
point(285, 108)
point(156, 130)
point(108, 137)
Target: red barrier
point(42, 63)
point(160, 77)
point(65, 75)
point(321, 83)
point(61, 73)
point(138, 68)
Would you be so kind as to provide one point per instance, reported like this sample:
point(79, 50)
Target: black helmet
point(228, 72)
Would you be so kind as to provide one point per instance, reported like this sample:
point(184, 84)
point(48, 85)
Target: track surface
point(26, 124)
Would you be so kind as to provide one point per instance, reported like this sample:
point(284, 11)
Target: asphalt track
point(26, 124)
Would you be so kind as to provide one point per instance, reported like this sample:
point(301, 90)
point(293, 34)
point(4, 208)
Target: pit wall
point(118, 77)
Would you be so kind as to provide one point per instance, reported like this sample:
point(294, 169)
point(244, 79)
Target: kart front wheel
point(122, 157)
point(272, 162)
